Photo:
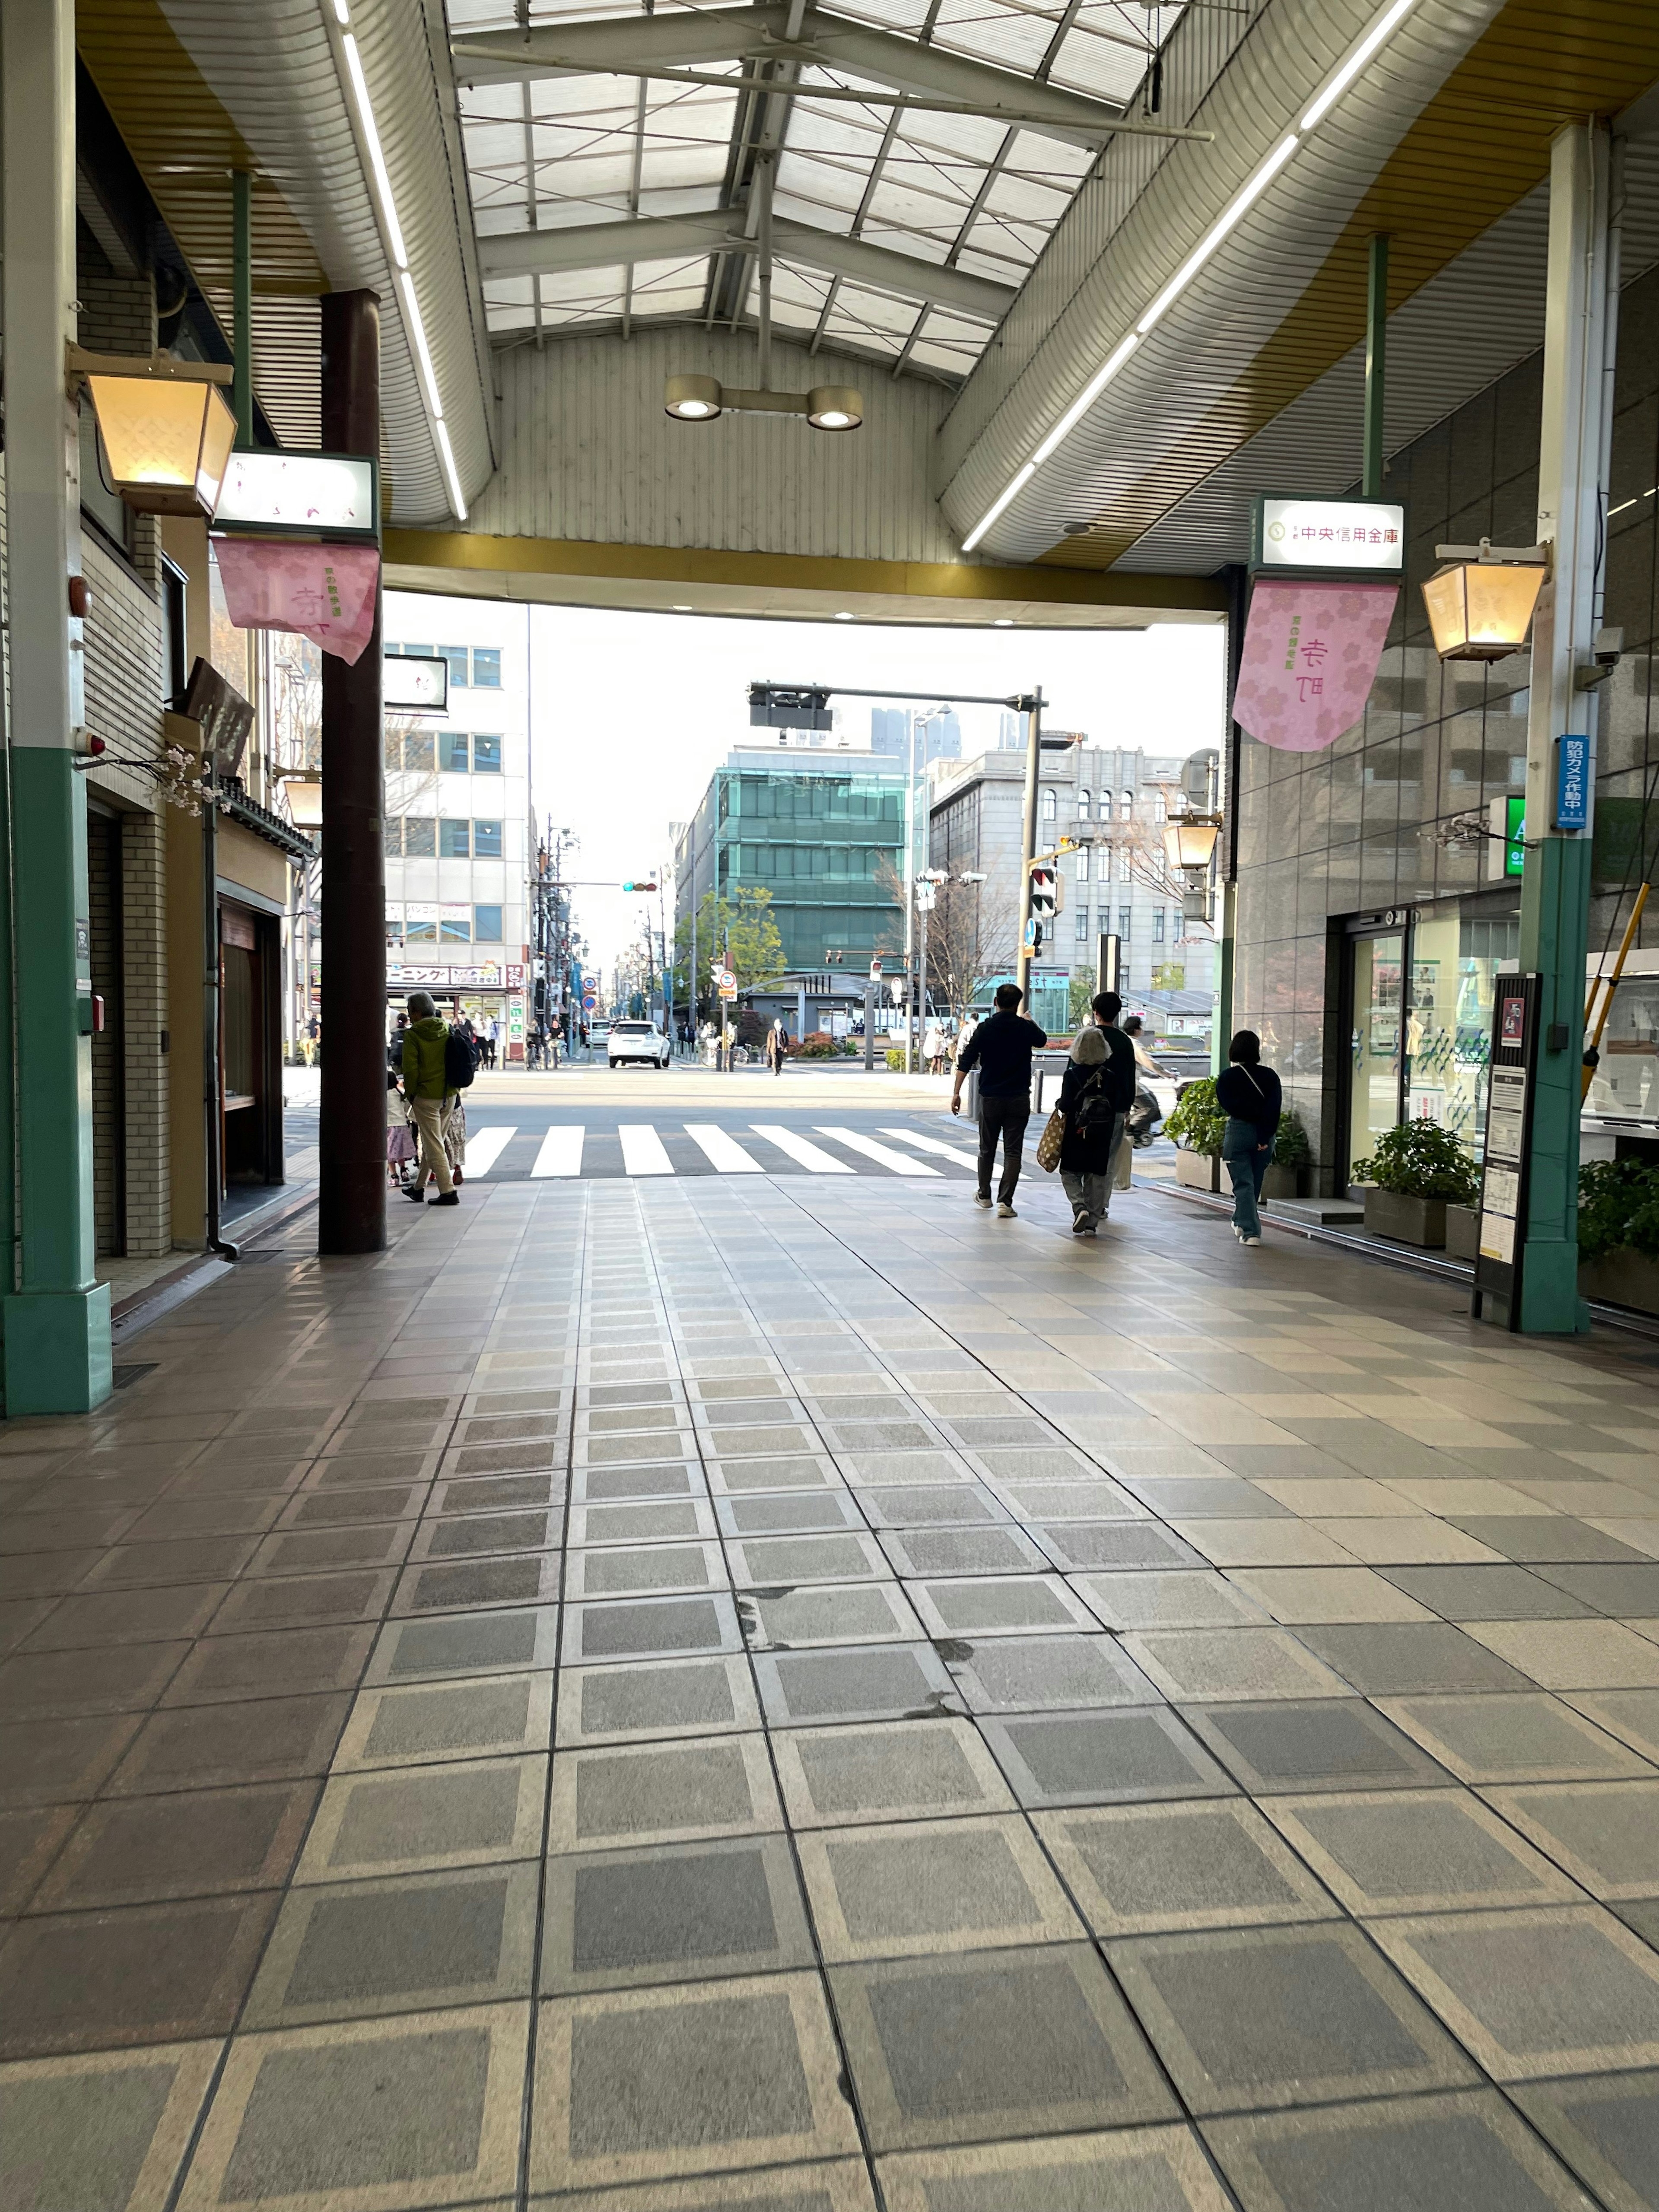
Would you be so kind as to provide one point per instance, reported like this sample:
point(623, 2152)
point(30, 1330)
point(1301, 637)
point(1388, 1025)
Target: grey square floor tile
point(1528, 1737)
point(463, 1643)
point(1396, 2155)
point(494, 1714)
point(1000, 2044)
point(996, 1551)
point(1340, 1745)
point(367, 1947)
point(1089, 1498)
point(657, 1698)
point(988, 1605)
point(643, 1570)
point(1605, 1834)
point(1546, 1539)
point(465, 1586)
point(1080, 1545)
point(1606, 2130)
point(634, 2087)
point(1562, 1989)
point(1141, 1869)
point(1296, 1596)
point(657, 1521)
point(1486, 1593)
point(1429, 1850)
point(779, 1563)
point(1630, 1715)
point(101, 2133)
point(423, 2110)
point(892, 1771)
point(597, 1485)
point(787, 1513)
point(1257, 2018)
point(618, 1919)
point(1008, 1674)
point(1396, 1658)
point(738, 1478)
point(933, 1506)
point(1131, 2170)
point(1188, 1664)
point(1625, 1593)
point(650, 1628)
point(201, 1842)
point(413, 1819)
point(1166, 1600)
point(833, 1612)
point(880, 1893)
point(661, 1793)
point(1102, 1758)
point(870, 1681)
point(1198, 1498)
point(1574, 1654)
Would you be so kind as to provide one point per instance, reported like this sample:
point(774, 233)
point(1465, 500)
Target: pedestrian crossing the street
point(504, 1153)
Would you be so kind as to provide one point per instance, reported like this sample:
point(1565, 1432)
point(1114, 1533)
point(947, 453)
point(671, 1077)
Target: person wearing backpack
point(433, 1075)
point(1088, 1103)
point(1251, 1098)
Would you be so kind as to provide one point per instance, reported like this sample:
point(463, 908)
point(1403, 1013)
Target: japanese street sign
point(1572, 810)
point(1340, 534)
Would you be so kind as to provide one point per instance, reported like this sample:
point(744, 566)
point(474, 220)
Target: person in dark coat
point(1093, 1121)
point(1250, 1097)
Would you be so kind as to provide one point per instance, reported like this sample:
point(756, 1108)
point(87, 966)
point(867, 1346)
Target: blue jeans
point(1246, 1165)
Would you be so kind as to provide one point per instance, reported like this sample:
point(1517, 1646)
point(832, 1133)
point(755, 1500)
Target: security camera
point(1609, 646)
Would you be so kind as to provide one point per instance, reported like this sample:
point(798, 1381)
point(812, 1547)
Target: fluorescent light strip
point(422, 352)
point(376, 158)
point(1329, 93)
point(446, 455)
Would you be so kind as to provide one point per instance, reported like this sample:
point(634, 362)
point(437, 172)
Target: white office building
point(458, 835)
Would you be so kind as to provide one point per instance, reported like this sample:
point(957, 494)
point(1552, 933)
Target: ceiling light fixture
point(1332, 90)
point(702, 398)
point(844, 617)
point(393, 231)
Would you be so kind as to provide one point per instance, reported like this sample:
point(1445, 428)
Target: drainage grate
point(123, 1378)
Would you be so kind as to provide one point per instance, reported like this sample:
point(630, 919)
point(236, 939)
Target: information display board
point(1512, 1072)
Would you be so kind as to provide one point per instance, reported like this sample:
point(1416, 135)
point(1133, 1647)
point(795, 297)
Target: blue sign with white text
point(1572, 810)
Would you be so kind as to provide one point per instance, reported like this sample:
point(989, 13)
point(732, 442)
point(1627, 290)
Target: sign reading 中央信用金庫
point(1572, 784)
point(1330, 535)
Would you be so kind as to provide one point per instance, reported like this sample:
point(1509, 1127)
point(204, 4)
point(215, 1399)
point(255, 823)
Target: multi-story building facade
point(458, 848)
point(1117, 886)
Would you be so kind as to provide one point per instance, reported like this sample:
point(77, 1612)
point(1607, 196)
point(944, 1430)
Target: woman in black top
point(1093, 1121)
point(1249, 1095)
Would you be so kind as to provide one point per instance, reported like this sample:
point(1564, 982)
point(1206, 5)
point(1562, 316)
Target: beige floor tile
point(1327, 1595)
point(1401, 1542)
point(1336, 1496)
point(1281, 1543)
point(1641, 1534)
point(1454, 1496)
point(1572, 1655)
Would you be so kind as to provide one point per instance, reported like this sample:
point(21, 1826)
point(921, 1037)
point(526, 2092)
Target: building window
point(409, 750)
point(1126, 914)
point(420, 837)
point(1083, 924)
point(486, 668)
point(1105, 806)
point(1126, 806)
point(1083, 802)
point(1050, 805)
point(1157, 925)
point(486, 840)
point(418, 930)
point(454, 929)
point(1081, 868)
point(453, 755)
point(486, 756)
point(1160, 806)
point(453, 842)
point(487, 925)
point(456, 656)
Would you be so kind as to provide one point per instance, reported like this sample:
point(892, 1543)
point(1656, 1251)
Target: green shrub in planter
point(1198, 1124)
point(895, 1062)
point(1618, 1209)
point(1419, 1159)
point(1290, 1146)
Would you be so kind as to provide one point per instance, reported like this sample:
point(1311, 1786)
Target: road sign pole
point(1028, 846)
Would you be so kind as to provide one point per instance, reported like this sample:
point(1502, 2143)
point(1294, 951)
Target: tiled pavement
point(806, 1697)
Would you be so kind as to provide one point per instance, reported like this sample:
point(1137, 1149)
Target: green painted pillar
point(54, 1318)
point(1555, 941)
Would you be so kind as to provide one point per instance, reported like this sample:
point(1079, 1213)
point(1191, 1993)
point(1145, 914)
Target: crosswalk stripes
point(883, 1155)
point(561, 1154)
point(485, 1147)
point(932, 1144)
point(801, 1150)
point(644, 1152)
point(721, 1151)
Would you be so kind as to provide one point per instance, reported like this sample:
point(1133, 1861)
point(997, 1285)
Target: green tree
point(740, 929)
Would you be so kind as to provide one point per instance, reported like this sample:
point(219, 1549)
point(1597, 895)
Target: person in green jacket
point(424, 1087)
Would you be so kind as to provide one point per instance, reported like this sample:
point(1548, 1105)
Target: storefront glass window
point(1454, 960)
point(1375, 1098)
point(1625, 1087)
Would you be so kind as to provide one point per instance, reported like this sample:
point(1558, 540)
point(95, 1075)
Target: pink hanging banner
point(325, 592)
point(1309, 660)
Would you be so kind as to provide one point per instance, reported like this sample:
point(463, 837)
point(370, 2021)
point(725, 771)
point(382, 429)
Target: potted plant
point(1197, 1126)
point(1287, 1174)
point(1416, 1171)
point(1618, 1233)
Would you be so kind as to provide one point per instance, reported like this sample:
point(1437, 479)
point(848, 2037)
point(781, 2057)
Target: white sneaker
point(1005, 1212)
point(981, 1197)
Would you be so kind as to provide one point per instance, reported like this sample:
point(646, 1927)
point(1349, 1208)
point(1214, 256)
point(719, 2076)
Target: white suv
point(637, 1041)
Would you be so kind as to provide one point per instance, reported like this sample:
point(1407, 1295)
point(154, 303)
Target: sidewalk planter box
point(1419, 1221)
point(1622, 1278)
point(1197, 1170)
point(1283, 1183)
point(1463, 1233)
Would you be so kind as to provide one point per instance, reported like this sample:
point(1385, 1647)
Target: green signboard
point(1515, 848)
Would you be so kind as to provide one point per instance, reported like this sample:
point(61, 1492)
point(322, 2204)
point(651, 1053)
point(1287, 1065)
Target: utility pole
point(1033, 708)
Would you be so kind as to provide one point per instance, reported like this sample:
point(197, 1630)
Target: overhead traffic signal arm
point(640, 887)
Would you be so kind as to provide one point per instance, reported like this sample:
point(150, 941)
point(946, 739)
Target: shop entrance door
point(1377, 982)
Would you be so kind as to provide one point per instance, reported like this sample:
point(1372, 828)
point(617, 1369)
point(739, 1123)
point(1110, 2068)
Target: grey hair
point(419, 1006)
point(1088, 1047)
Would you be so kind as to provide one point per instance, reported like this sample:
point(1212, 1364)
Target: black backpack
point(460, 1061)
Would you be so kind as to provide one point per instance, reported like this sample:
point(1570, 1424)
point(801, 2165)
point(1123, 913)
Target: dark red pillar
point(351, 1133)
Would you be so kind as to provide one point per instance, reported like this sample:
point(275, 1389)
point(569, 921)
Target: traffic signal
point(639, 887)
point(1045, 893)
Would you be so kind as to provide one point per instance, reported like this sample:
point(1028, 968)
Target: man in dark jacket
point(1119, 1082)
point(426, 1088)
point(1001, 1049)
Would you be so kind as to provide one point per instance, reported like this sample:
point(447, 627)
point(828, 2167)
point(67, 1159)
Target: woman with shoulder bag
point(1250, 1097)
point(1091, 1117)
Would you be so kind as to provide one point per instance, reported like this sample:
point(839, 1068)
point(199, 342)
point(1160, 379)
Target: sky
point(632, 713)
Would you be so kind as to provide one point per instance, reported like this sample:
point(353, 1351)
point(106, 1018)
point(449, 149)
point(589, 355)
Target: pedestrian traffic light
point(1045, 893)
point(639, 887)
